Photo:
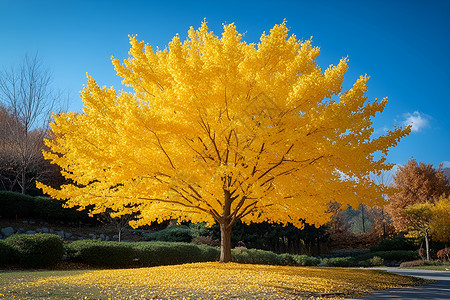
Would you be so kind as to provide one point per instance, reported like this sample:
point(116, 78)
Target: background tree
point(418, 187)
point(440, 221)
point(382, 222)
point(382, 226)
point(27, 100)
point(119, 222)
point(219, 130)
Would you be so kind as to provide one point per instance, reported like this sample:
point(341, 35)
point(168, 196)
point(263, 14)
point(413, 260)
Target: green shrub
point(304, 260)
point(397, 243)
point(5, 253)
point(376, 261)
point(372, 262)
point(364, 263)
point(255, 256)
point(288, 259)
point(165, 253)
point(50, 209)
point(299, 260)
point(419, 263)
point(38, 250)
point(116, 254)
point(106, 254)
point(199, 230)
point(340, 262)
point(14, 205)
point(346, 252)
point(176, 233)
point(205, 240)
point(399, 255)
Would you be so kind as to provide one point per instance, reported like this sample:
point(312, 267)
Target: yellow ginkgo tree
point(219, 130)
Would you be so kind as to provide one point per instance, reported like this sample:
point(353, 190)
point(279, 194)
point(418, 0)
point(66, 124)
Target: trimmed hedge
point(50, 209)
point(175, 233)
point(373, 262)
point(5, 253)
point(398, 255)
point(299, 260)
point(106, 254)
point(397, 243)
point(165, 253)
point(371, 259)
point(35, 251)
point(119, 254)
point(14, 205)
point(304, 260)
point(340, 262)
point(255, 256)
point(419, 263)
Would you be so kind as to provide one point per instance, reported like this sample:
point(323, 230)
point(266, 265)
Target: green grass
point(445, 267)
point(199, 281)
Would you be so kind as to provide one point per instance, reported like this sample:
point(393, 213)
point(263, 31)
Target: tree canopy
point(419, 205)
point(218, 130)
point(416, 183)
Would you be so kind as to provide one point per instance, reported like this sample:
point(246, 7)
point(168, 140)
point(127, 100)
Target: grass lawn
point(199, 281)
point(445, 267)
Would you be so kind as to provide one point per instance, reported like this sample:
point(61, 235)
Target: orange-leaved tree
point(219, 130)
point(413, 207)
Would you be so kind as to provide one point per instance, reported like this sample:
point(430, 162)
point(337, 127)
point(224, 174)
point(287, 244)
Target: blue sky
point(402, 45)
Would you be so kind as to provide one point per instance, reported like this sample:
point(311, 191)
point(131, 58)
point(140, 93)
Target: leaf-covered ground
point(200, 281)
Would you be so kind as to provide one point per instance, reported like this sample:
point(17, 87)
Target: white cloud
point(417, 120)
point(446, 164)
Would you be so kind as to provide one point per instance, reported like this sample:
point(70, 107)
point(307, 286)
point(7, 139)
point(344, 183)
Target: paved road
point(440, 289)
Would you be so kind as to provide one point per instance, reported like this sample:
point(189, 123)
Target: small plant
point(444, 254)
point(376, 261)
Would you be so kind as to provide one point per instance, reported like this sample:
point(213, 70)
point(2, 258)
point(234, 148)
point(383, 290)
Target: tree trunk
point(225, 229)
point(363, 219)
point(23, 180)
point(225, 243)
point(427, 245)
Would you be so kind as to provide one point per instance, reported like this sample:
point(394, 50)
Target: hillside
point(447, 173)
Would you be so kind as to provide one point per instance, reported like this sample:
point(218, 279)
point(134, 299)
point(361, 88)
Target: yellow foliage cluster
point(225, 281)
point(432, 217)
point(218, 130)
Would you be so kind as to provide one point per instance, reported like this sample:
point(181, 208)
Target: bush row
point(45, 250)
point(116, 254)
point(16, 205)
point(419, 263)
point(394, 255)
point(396, 243)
